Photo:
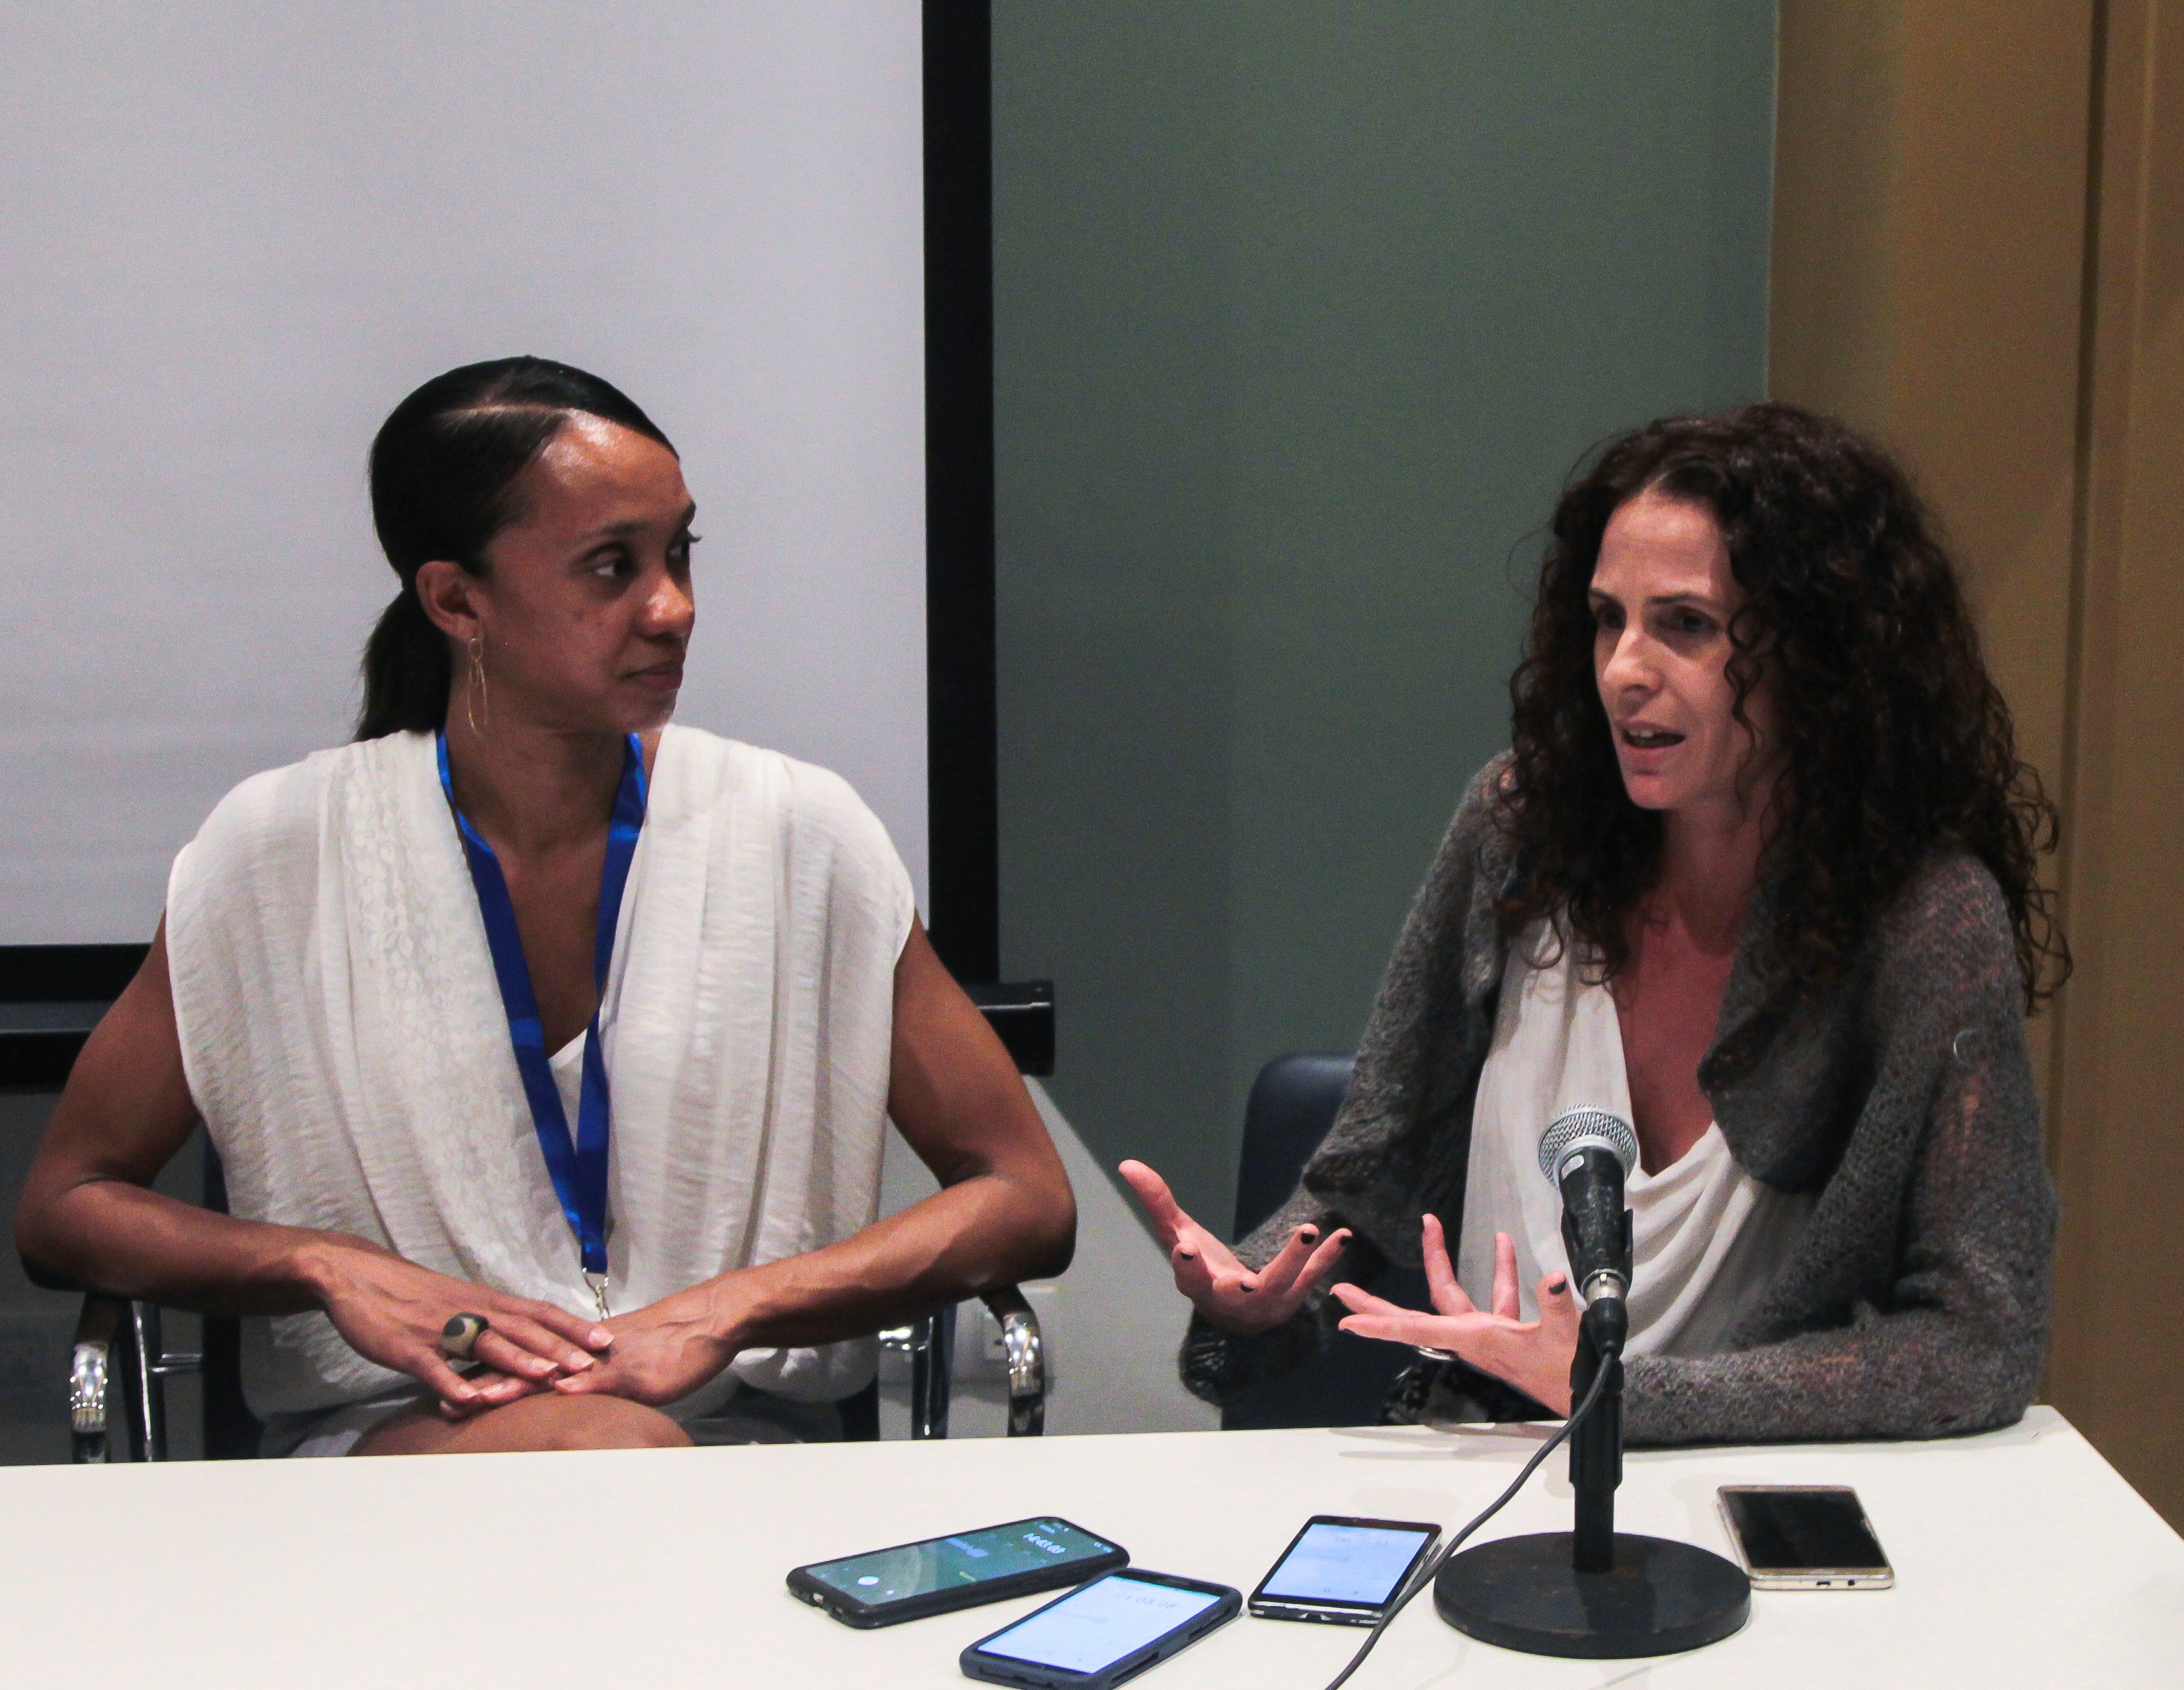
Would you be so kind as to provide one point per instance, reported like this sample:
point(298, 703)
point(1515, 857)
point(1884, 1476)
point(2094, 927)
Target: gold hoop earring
point(476, 699)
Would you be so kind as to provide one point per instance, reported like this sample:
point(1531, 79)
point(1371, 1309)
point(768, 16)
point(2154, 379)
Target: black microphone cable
point(1426, 1575)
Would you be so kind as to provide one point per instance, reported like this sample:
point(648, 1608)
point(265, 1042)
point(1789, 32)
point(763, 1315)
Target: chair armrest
point(930, 1342)
point(1024, 1349)
point(96, 1329)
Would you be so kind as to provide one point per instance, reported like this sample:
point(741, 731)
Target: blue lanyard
point(579, 1168)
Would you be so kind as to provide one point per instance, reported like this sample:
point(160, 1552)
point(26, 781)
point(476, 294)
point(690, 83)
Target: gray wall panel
point(1303, 312)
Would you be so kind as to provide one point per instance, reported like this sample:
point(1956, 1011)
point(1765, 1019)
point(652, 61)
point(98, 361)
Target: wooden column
point(2117, 1088)
point(1979, 254)
point(1929, 200)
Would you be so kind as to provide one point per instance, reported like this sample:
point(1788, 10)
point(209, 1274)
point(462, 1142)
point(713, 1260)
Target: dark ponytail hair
point(445, 469)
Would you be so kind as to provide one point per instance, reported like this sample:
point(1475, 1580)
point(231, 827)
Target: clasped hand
point(393, 1312)
point(661, 1352)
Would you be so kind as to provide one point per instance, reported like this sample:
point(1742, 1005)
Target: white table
point(2021, 1558)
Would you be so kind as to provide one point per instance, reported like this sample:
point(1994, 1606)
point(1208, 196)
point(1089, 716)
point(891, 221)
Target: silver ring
point(1433, 1355)
point(460, 1336)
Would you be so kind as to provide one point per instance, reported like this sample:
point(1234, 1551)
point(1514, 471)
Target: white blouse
point(344, 1039)
point(1709, 1236)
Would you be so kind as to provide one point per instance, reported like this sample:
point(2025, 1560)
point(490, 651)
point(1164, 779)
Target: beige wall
point(2118, 1088)
point(1978, 252)
point(1929, 195)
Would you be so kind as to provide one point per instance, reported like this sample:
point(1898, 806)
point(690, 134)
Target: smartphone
point(939, 1575)
point(1804, 1537)
point(1110, 1629)
point(1343, 1571)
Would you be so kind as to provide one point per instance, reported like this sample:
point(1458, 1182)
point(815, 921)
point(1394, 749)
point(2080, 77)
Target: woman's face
point(1662, 596)
point(586, 605)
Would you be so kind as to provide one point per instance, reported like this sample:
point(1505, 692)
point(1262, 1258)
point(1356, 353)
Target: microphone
point(1586, 1155)
point(1592, 1592)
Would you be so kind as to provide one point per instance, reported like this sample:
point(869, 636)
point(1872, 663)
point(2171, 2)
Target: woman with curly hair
point(1758, 873)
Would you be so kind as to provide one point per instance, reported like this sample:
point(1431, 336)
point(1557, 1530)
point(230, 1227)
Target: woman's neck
point(532, 789)
point(1709, 867)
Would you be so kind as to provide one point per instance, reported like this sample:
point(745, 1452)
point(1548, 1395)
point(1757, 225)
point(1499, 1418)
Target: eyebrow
point(616, 530)
point(1702, 599)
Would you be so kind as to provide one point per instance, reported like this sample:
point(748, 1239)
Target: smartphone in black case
point(1105, 1632)
point(939, 1575)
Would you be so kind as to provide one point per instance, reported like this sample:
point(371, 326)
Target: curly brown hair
point(1894, 744)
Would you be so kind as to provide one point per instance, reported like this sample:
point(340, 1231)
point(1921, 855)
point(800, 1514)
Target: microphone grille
point(1587, 1129)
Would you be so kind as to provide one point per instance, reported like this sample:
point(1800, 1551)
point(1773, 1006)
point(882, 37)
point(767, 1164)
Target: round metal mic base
point(1660, 1598)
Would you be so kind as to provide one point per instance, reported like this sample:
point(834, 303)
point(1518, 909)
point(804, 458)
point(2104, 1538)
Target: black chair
point(1293, 1103)
point(120, 1353)
point(120, 1356)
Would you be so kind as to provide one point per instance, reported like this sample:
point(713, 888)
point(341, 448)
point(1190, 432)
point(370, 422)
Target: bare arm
point(1004, 1213)
point(88, 1217)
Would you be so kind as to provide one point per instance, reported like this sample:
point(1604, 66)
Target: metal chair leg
point(149, 1384)
point(932, 1357)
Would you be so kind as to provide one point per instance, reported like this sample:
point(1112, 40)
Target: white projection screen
point(232, 235)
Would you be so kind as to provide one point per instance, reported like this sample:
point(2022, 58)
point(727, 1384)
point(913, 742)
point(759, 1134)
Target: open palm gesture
point(1533, 1355)
point(1232, 1297)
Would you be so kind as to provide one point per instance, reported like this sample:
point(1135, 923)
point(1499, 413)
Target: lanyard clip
point(598, 1282)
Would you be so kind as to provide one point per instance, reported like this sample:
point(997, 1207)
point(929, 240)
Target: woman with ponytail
point(534, 1031)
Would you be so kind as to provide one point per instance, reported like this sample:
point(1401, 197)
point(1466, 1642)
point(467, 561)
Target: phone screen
point(972, 1558)
point(1099, 1624)
point(1795, 1531)
point(1332, 1562)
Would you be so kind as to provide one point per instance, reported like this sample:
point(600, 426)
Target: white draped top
point(343, 1036)
point(1709, 1236)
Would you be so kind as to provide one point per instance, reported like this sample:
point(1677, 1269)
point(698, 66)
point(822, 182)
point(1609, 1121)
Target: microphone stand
point(1595, 1448)
point(1595, 1592)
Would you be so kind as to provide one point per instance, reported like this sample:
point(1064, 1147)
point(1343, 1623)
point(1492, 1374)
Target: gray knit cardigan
point(1915, 1303)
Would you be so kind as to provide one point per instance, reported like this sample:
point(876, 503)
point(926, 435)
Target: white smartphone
point(1804, 1537)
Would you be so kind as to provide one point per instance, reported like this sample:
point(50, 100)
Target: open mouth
point(1650, 739)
